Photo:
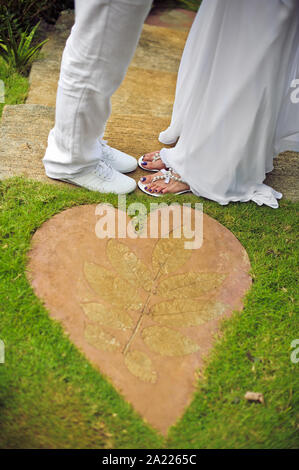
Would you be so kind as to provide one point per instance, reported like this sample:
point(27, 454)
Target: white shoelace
point(107, 152)
point(104, 170)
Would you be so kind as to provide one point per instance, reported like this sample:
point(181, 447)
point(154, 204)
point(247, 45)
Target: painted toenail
point(145, 187)
point(144, 163)
point(142, 179)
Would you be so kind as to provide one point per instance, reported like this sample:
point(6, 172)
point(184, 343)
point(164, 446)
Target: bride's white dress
point(233, 110)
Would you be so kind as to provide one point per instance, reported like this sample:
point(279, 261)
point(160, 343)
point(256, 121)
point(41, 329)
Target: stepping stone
point(135, 135)
point(285, 176)
point(44, 72)
point(23, 138)
point(160, 49)
point(154, 67)
point(145, 92)
point(144, 311)
point(25, 128)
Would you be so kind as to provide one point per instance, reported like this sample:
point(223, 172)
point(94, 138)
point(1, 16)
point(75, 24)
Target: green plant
point(16, 47)
point(190, 4)
point(16, 86)
point(29, 12)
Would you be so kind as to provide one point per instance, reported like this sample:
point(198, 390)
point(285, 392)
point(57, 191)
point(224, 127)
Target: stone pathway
point(141, 108)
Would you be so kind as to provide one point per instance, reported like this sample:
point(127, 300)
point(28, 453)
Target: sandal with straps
point(155, 158)
point(167, 175)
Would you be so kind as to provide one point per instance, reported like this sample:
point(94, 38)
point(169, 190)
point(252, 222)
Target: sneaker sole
point(81, 186)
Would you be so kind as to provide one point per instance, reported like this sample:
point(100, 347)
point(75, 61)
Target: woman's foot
point(152, 161)
point(161, 186)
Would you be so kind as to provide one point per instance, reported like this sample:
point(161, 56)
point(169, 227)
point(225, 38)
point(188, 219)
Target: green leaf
point(18, 52)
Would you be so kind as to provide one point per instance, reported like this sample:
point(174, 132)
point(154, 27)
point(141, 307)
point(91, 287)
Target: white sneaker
point(120, 161)
point(103, 179)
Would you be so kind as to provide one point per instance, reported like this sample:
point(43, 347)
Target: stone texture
point(135, 135)
point(23, 137)
point(285, 176)
point(150, 80)
point(45, 71)
point(127, 304)
point(160, 49)
point(145, 92)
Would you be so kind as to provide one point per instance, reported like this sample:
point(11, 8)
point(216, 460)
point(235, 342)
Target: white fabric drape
point(233, 110)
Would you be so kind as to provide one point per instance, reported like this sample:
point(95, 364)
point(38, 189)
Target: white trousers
point(96, 57)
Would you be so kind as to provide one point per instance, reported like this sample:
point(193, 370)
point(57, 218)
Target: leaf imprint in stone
point(169, 255)
point(100, 339)
point(128, 265)
point(111, 288)
point(140, 365)
point(167, 342)
point(189, 285)
point(187, 312)
point(102, 315)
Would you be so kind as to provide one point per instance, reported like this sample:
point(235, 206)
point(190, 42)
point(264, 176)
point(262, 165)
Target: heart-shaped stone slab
point(143, 310)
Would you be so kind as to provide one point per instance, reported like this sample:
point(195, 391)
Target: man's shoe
point(120, 161)
point(103, 179)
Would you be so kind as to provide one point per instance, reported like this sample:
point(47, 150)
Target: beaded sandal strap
point(156, 157)
point(167, 176)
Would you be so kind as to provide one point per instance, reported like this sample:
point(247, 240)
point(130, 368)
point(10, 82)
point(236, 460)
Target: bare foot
point(160, 186)
point(150, 163)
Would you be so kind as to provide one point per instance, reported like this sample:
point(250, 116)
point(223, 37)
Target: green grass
point(16, 86)
point(50, 396)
